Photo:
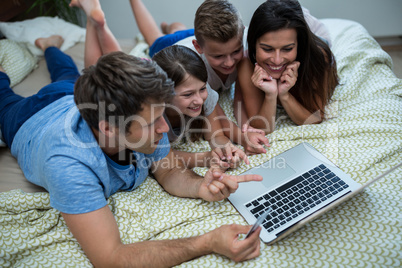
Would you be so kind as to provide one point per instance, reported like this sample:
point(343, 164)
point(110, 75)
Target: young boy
point(218, 38)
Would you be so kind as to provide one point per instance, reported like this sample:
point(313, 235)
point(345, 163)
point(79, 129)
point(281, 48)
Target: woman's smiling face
point(275, 50)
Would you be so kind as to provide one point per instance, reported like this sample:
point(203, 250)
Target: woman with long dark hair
point(287, 66)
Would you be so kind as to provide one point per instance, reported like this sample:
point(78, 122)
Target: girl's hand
point(288, 78)
point(216, 161)
point(228, 156)
point(262, 80)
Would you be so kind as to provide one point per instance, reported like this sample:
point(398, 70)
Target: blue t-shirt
point(57, 150)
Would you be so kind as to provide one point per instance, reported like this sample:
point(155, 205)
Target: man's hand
point(225, 241)
point(217, 186)
point(92, 229)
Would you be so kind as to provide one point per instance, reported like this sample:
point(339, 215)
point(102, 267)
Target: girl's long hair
point(178, 62)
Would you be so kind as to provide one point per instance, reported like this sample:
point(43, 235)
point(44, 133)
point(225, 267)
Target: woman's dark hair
point(316, 59)
point(179, 62)
point(118, 86)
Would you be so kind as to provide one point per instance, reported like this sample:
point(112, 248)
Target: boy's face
point(222, 57)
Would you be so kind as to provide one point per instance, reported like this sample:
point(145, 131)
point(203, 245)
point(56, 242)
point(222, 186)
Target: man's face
point(146, 129)
point(222, 57)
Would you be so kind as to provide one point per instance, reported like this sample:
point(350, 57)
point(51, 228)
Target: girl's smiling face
point(190, 96)
point(275, 50)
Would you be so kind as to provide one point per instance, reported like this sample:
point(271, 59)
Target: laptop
point(298, 185)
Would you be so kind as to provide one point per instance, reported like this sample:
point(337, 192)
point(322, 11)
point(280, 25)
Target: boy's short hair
point(117, 87)
point(217, 20)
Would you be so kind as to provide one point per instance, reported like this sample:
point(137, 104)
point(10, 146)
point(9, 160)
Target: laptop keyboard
point(296, 197)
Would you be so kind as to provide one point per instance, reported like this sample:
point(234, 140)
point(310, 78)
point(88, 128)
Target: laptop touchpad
point(276, 174)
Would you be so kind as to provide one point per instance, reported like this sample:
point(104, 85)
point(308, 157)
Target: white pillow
point(16, 60)
point(29, 30)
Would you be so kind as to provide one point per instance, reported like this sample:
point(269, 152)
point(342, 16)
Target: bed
point(362, 134)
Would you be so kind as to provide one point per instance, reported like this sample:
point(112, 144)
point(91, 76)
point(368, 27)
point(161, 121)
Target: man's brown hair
point(118, 86)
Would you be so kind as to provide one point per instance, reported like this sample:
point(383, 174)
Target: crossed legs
point(147, 25)
point(99, 39)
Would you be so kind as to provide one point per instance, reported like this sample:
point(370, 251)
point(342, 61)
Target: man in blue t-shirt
point(86, 137)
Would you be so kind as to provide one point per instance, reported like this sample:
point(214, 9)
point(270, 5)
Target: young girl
point(189, 73)
point(289, 66)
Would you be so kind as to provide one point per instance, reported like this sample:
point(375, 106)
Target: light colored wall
point(121, 20)
point(380, 17)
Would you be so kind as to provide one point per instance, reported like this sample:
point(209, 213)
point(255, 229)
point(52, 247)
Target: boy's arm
point(98, 234)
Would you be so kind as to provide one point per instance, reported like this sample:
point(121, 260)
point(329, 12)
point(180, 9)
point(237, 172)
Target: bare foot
point(172, 28)
point(75, 3)
point(92, 9)
point(52, 41)
point(164, 27)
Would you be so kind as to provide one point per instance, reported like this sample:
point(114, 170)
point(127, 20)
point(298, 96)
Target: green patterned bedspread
point(362, 134)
